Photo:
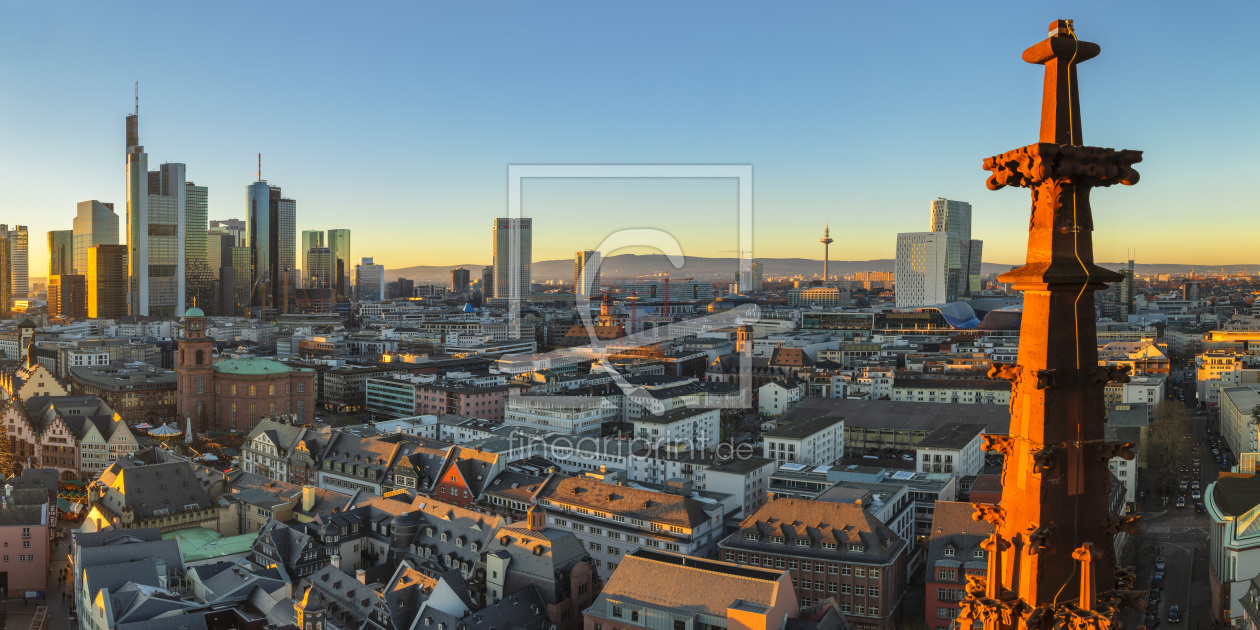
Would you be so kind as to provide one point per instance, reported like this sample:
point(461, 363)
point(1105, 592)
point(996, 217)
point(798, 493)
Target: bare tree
point(1168, 447)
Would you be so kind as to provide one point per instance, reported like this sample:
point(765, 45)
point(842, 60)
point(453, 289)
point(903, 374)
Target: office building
point(487, 282)
point(60, 252)
point(272, 239)
point(310, 239)
point(513, 257)
point(239, 259)
point(107, 281)
point(926, 273)
point(95, 223)
point(755, 273)
point(19, 260)
point(156, 223)
point(318, 267)
point(585, 279)
point(460, 279)
point(198, 274)
point(339, 242)
point(6, 278)
point(369, 281)
point(67, 296)
point(955, 216)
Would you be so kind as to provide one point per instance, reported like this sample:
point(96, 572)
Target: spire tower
point(826, 240)
point(1051, 557)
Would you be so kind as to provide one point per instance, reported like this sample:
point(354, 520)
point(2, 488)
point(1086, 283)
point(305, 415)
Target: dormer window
point(829, 545)
point(949, 551)
point(977, 553)
point(753, 537)
point(857, 548)
point(802, 542)
point(778, 540)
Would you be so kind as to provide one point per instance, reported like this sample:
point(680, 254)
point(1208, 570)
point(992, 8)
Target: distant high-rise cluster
point(938, 266)
point(19, 256)
point(460, 279)
point(512, 265)
point(585, 278)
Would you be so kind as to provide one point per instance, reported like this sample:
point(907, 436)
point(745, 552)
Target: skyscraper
point(318, 267)
point(955, 216)
point(339, 242)
point(95, 223)
point(460, 279)
point(6, 277)
point(60, 252)
point(924, 269)
point(369, 281)
point(67, 296)
point(234, 227)
point(310, 239)
point(512, 266)
point(585, 280)
point(107, 281)
point(155, 231)
point(199, 276)
point(272, 223)
point(487, 282)
point(19, 259)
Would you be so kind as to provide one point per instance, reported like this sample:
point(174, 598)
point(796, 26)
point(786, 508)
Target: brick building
point(954, 552)
point(137, 391)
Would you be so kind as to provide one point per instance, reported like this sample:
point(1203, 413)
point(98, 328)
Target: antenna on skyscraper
point(260, 167)
point(137, 98)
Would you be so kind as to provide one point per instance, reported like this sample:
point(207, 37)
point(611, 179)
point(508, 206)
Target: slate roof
point(466, 532)
point(687, 585)
point(1236, 494)
point(673, 415)
point(341, 592)
point(538, 558)
point(952, 383)
point(515, 486)
point(818, 522)
point(657, 507)
point(523, 610)
point(898, 415)
point(170, 486)
point(953, 527)
point(802, 428)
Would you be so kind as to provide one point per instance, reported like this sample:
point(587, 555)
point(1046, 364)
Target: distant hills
point(709, 269)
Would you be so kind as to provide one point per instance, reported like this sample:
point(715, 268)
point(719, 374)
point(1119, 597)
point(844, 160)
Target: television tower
point(1051, 558)
point(826, 240)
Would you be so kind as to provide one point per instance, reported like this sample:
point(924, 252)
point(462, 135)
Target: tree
point(6, 456)
point(1168, 447)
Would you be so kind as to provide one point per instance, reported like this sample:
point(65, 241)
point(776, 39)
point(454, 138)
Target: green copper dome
point(254, 366)
point(194, 312)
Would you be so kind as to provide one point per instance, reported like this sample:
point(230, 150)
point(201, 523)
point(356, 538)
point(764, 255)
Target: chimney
point(308, 498)
point(335, 560)
point(160, 568)
point(361, 576)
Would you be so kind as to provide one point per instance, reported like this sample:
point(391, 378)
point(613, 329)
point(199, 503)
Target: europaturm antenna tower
point(1051, 558)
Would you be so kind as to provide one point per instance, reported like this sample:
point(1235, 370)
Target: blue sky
point(397, 120)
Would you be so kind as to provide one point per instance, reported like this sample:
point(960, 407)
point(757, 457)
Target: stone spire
point(1051, 558)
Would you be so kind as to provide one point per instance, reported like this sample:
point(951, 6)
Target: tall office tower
point(318, 267)
point(199, 275)
point(272, 223)
point(1191, 290)
point(1118, 299)
point(95, 223)
point(955, 216)
point(107, 281)
point(460, 279)
point(6, 277)
point(219, 245)
point(512, 265)
point(585, 279)
point(240, 259)
point(339, 242)
point(67, 296)
point(369, 281)
point(234, 227)
point(19, 260)
point(60, 252)
point(487, 282)
point(756, 271)
point(924, 269)
point(155, 231)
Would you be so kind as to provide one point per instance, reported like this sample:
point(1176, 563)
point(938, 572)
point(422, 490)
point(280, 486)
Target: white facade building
point(700, 428)
point(953, 449)
point(813, 442)
point(924, 268)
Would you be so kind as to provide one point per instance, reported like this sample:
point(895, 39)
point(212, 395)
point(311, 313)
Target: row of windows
point(817, 567)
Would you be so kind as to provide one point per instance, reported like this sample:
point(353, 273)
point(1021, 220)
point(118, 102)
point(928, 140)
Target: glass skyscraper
point(94, 224)
point(156, 207)
point(339, 242)
point(61, 252)
point(19, 260)
point(955, 216)
point(272, 224)
point(198, 275)
point(512, 266)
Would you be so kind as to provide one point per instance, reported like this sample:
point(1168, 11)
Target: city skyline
point(820, 155)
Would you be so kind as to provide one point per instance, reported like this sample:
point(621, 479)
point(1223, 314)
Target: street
point(1180, 536)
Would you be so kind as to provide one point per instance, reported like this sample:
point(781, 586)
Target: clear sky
point(397, 120)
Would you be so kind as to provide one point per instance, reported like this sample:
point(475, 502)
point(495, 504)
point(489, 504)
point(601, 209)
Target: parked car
point(908, 457)
point(1157, 581)
point(1152, 620)
point(1181, 502)
point(1174, 614)
point(1199, 508)
point(1196, 495)
point(1160, 565)
point(1154, 596)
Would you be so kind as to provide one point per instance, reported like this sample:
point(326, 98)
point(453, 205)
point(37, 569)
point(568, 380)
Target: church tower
point(194, 372)
point(309, 613)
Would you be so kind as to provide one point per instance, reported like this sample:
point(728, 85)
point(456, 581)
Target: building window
point(253, 390)
point(201, 384)
point(949, 551)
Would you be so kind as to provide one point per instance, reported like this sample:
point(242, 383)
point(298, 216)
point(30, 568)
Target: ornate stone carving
point(1109, 450)
point(1006, 371)
point(1046, 378)
point(991, 514)
point(1043, 162)
point(1127, 524)
point(1039, 537)
point(1044, 459)
point(1126, 577)
point(1104, 374)
point(1000, 443)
